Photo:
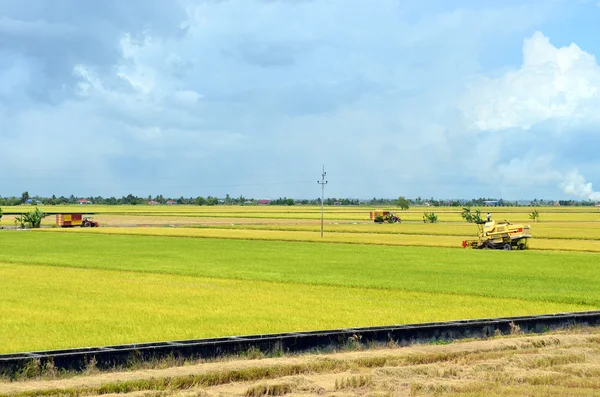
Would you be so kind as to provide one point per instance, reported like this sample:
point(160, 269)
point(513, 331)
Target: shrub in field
point(470, 216)
point(534, 215)
point(32, 219)
point(430, 217)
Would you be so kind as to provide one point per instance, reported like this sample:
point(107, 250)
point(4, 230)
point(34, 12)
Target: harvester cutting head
point(500, 235)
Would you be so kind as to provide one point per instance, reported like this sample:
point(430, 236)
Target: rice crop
point(553, 230)
point(566, 277)
point(45, 307)
point(446, 214)
point(244, 270)
point(589, 244)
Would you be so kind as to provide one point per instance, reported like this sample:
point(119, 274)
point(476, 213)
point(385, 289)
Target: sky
point(435, 98)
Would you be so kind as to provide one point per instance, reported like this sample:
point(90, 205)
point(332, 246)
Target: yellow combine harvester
point(501, 235)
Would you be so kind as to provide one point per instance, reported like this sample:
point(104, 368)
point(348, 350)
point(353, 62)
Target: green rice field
point(193, 272)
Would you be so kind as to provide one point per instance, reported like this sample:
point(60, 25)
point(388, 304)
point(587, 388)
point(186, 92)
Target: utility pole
point(322, 183)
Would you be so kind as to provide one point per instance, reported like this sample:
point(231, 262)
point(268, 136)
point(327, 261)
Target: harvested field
point(446, 214)
point(555, 364)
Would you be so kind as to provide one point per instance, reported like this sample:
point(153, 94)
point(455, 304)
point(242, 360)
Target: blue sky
point(451, 99)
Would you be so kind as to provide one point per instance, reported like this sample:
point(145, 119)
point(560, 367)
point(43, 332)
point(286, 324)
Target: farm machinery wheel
point(507, 246)
point(86, 224)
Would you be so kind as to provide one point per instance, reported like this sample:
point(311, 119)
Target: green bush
point(430, 217)
point(470, 216)
point(32, 219)
point(535, 215)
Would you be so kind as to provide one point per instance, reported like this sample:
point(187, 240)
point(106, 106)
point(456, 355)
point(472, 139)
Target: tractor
point(71, 220)
point(384, 217)
point(89, 222)
point(501, 235)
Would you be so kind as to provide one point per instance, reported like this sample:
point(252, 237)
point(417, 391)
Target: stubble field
point(167, 273)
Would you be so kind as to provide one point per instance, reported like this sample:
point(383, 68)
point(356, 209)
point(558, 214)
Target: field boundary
point(108, 357)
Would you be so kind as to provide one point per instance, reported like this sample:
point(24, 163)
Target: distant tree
point(24, 197)
point(403, 203)
point(212, 200)
point(200, 200)
point(0, 214)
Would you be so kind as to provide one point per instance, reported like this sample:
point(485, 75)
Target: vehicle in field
point(71, 220)
point(384, 216)
point(500, 235)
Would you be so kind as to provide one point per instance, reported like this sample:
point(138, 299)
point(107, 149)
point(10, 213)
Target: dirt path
point(551, 364)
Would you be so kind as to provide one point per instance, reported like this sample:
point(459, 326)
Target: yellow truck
point(500, 235)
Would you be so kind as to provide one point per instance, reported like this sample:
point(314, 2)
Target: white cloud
point(557, 84)
point(575, 185)
point(235, 89)
point(530, 117)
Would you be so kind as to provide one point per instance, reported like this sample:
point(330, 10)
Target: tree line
point(402, 202)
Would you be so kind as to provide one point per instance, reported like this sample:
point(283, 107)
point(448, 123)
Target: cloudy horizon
point(191, 98)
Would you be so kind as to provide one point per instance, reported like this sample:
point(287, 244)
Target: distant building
point(171, 202)
point(263, 202)
point(84, 201)
point(152, 202)
point(491, 203)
